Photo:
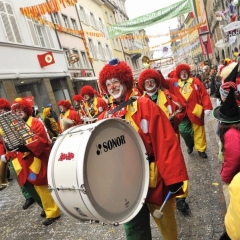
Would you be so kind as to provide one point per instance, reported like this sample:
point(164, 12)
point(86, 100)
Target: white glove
point(3, 158)
point(207, 112)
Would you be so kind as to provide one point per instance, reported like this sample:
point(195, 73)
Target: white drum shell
point(107, 179)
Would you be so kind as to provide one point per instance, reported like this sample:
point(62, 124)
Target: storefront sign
point(231, 26)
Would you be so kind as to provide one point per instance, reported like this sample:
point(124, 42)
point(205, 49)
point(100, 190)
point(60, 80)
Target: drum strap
point(122, 105)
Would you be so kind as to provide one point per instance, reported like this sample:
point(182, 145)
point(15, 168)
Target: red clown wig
point(116, 69)
point(25, 105)
point(4, 104)
point(182, 67)
point(87, 90)
point(65, 103)
point(77, 98)
point(149, 74)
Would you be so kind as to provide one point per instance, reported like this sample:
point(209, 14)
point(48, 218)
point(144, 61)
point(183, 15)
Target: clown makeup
point(76, 103)
point(150, 85)
point(87, 98)
point(20, 113)
point(2, 110)
point(183, 75)
point(61, 108)
point(114, 87)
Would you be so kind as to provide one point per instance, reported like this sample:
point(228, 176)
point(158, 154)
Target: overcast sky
point(138, 8)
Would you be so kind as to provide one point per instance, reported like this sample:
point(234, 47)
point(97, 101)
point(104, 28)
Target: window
point(55, 18)
point(109, 53)
point(77, 63)
point(9, 23)
point(74, 24)
point(100, 50)
point(41, 35)
point(118, 46)
point(67, 54)
point(101, 24)
point(65, 20)
point(84, 58)
point(93, 22)
point(92, 48)
point(82, 14)
point(106, 14)
point(111, 19)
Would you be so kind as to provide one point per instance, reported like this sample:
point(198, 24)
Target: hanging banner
point(161, 15)
point(209, 46)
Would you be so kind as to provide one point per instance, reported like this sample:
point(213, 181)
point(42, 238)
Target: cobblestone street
point(205, 200)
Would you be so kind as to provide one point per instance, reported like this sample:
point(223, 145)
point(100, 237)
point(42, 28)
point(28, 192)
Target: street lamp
point(196, 63)
point(204, 37)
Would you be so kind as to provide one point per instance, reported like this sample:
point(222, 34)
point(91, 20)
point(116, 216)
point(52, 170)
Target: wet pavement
point(205, 199)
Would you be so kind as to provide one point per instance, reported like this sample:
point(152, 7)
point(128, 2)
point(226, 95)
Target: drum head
point(115, 171)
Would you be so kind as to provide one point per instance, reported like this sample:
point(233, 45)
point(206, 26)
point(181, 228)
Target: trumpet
point(146, 62)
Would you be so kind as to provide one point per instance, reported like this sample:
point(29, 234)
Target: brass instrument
point(180, 108)
point(88, 118)
point(146, 62)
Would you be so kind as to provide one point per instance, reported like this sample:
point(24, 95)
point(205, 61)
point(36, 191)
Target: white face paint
point(184, 75)
point(114, 87)
point(20, 113)
point(150, 85)
point(2, 110)
point(61, 108)
point(86, 97)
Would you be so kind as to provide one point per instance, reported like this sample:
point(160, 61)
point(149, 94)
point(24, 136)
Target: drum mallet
point(157, 213)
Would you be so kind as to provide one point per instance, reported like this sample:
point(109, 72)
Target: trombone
point(146, 62)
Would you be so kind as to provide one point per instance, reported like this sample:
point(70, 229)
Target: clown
point(161, 144)
point(68, 116)
point(149, 82)
point(30, 162)
point(191, 91)
point(93, 105)
point(4, 107)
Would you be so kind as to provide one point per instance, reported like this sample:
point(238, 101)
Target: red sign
point(83, 73)
point(209, 46)
point(46, 59)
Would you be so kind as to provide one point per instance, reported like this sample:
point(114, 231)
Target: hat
point(4, 103)
point(65, 103)
point(146, 74)
point(182, 67)
point(116, 69)
point(77, 98)
point(25, 105)
point(229, 73)
point(87, 90)
point(49, 105)
point(228, 112)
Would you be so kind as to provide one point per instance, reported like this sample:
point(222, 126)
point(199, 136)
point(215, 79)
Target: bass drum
point(99, 172)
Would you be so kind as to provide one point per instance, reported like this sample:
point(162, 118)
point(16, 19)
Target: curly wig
point(4, 104)
point(182, 67)
point(24, 104)
point(65, 103)
point(46, 112)
point(146, 74)
point(120, 71)
point(77, 98)
point(87, 90)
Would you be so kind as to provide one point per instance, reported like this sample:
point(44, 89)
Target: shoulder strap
point(122, 105)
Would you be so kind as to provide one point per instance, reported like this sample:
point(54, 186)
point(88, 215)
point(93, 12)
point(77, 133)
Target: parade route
point(205, 199)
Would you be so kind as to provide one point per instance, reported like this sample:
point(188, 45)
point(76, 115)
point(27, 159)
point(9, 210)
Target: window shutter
point(81, 13)
point(100, 24)
point(15, 29)
point(88, 19)
point(7, 26)
point(49, 36)
point(96, 23)
point(97, 50)
point(90, 50)
point(33, 33)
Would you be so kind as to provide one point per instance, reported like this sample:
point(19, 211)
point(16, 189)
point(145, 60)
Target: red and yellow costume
point(70, 114)
point(96, 105)
point(31, 164)
point(162, 148)
point(193, 94)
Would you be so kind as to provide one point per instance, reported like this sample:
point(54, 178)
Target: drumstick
point(157, 213)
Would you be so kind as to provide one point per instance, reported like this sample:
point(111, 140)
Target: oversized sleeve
point(205, 99)
point(231, 164)
point(165, 146)
point(40, 140)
